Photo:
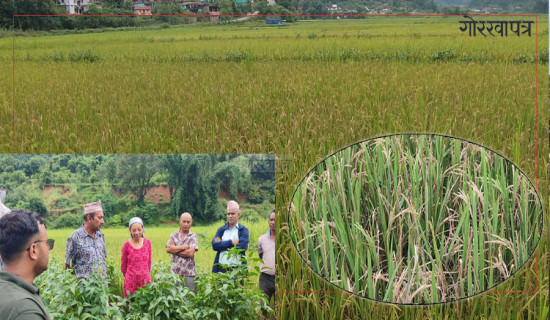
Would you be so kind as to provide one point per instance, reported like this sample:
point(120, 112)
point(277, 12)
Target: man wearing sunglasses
point(25, 250)
point(230, 235)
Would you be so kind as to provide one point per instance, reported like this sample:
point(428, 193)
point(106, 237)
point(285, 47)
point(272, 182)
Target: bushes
point(217, 296)
point(260, 192)
point(65, 298)
point(221, 296)
point(149, 213)
point(114, 221)
point(117, 220)
point(113, 205)
point(37, 205)
point(164, 298)
point(250, 215)
point(68, 220)
point(63, 202)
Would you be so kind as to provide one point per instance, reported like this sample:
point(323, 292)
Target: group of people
point(24, 251)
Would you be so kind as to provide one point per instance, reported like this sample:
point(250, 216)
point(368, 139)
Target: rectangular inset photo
point(130, 235)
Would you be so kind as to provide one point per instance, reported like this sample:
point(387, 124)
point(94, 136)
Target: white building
point(3, 209)
point(76, 6)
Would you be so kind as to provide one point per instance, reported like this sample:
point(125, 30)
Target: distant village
point(145, 8)
point(204, 7)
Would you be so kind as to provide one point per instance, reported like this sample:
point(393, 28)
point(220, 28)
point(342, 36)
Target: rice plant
point(415, 219)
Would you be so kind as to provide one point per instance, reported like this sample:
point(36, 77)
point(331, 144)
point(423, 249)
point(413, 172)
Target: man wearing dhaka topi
point(86, 252)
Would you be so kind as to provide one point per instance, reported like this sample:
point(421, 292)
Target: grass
point(415, 219)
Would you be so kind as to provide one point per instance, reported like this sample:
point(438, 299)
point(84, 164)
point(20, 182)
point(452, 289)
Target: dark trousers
point(267, 285)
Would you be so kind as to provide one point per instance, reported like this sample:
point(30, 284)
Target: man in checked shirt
point(85, 251)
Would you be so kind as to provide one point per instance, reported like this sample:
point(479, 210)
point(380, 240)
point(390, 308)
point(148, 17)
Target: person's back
point(25, 251)
point(19, 299)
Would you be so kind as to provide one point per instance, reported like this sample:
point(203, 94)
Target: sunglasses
point(49, 243)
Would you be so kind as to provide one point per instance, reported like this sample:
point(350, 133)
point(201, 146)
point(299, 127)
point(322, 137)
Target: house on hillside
point(142, 9)
point(201, 8)
point(77, 6)
point(333, 8)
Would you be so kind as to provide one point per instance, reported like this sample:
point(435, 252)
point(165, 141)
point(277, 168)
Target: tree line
point(283, 8)
point(194, 181)
point(90, 20)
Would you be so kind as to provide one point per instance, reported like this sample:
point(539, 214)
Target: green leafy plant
point(223, 296)
point(217, 296)
point(164, 298)
point(68, 298)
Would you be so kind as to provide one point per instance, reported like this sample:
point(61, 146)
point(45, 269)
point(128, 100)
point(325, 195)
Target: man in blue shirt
point(230, 235)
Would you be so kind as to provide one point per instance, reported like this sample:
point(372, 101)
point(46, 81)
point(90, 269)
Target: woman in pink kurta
point(135, 263)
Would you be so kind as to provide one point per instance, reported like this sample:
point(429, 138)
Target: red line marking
point(421, 15)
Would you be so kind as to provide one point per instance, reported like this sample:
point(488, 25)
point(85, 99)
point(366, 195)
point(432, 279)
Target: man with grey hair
point(86, 251)
point(230, 235)
point(182, 245)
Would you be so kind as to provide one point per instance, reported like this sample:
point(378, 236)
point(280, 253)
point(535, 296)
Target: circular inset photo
point(415, 219)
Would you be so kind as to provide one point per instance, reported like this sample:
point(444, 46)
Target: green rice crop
point(292, 96)
point(204, 87)
point(415, 219)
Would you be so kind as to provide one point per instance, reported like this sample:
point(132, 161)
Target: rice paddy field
point(302, 91)
point(415, 219)
point(115, 238)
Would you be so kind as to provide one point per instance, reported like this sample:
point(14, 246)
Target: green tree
point(68, 220)
point(540, 6)
point(37, 205)
point(196, 187)
point(167, 9)
point(149, 213)
point(34, 165)
point(113, 3)
point(263, 8)
point(8, 8)
point(16, 178)
point(7, 161)
point(135, 173)
point(233, 177)
point(46, 178)
point(108, 170)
